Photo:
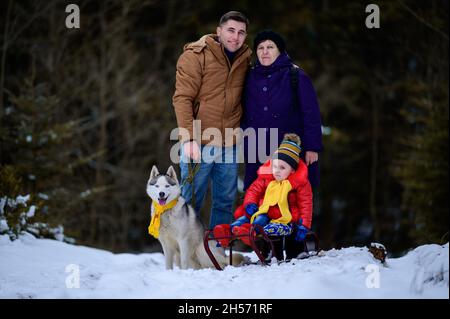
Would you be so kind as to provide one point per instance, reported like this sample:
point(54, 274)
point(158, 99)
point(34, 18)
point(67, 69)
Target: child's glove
point(301, 233)
point(250, 209)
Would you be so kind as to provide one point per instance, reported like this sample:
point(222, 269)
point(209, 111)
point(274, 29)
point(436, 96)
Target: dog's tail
point(238, 259)
point(223, 260)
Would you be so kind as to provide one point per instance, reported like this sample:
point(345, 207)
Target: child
point(278, 199)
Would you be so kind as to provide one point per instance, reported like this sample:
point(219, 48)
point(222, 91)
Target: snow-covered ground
point(40, 268)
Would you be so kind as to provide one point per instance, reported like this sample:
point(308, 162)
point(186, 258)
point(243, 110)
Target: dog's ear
point(154, 172)
point(171, 173)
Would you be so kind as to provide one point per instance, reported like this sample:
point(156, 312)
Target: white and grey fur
point(181, 231)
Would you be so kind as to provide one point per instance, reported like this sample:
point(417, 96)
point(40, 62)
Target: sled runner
point(260, 241)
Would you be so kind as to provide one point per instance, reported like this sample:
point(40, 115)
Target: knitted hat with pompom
point(289, 150)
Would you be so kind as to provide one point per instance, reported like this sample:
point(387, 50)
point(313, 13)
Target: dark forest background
point(85, 113)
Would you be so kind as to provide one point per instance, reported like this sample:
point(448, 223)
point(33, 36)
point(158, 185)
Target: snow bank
point(432, 266)
point(42, 268)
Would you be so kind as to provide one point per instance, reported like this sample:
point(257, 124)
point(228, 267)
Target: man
point(209, 81)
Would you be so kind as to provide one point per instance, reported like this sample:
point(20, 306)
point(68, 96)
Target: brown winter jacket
point(209, 89)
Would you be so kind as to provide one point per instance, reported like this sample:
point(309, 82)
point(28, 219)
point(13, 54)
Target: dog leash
point(192, 171)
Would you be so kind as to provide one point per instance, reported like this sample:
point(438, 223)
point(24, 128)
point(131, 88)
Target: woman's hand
point(311, 157)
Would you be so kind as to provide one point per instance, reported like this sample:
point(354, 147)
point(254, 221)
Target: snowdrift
point(43, 268)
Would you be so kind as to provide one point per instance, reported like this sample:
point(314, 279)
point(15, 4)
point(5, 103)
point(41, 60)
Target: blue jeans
point(261, 220)
point(218, 164)
point(271, 229)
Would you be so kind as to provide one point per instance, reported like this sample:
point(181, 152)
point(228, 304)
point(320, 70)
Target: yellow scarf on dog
point(153, 229)
point(276, 193)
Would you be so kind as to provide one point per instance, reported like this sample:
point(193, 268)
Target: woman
point(269, 102)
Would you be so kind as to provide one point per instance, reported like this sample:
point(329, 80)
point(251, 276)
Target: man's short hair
point(236, 16)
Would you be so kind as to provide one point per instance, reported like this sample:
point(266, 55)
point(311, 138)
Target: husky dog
point(181, 231)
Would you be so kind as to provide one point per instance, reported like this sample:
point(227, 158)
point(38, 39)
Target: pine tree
point(423, 168)
point(36, 162)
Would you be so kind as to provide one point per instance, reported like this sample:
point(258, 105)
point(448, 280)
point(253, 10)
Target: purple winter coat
point(268, 102)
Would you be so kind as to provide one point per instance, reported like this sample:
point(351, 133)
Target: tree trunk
point(4, 50)
point(102, 138)
point(374, 164)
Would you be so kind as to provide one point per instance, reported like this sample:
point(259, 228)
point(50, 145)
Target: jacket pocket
point(205, 115)
point(196, 109)
point(199, 107)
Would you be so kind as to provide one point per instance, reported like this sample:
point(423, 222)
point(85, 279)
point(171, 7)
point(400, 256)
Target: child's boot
point(222, 230)
point(244, 229)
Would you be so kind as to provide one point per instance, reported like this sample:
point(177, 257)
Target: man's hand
point(311, 157)
point(191, 150)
